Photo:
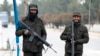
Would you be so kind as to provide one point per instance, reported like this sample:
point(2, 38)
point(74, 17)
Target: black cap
point(33, 5)
point(76, 14)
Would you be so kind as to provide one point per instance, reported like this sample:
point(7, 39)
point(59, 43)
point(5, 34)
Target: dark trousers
point(76, 54)
point(32, 53)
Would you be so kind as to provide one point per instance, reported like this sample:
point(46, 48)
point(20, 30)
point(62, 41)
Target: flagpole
point(16, 24)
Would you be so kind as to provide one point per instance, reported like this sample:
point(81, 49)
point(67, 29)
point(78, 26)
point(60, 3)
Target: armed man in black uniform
point(35, 47)
point(80, 36)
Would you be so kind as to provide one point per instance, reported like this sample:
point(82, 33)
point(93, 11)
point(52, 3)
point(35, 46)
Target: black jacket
point(81, 37)
point(38, 27)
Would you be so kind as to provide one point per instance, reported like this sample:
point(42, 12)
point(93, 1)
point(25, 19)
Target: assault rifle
point(33, 34)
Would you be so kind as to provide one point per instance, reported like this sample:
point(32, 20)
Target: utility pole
point(89, 13)
point(25, 7)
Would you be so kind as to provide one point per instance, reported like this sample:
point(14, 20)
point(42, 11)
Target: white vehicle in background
point(4, 18)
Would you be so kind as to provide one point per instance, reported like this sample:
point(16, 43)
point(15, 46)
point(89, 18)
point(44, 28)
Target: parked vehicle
point(4, 18)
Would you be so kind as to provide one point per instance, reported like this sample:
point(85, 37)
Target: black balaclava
point(32, 16)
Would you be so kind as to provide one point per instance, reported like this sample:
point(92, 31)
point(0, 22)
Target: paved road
point(53, 37)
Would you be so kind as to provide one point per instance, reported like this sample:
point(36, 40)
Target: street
point(53, 37)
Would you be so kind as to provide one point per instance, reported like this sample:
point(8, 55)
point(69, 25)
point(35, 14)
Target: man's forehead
point(76, 16)
point(33, 8)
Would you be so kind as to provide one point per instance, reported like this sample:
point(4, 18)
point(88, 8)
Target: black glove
point(68, 38)
point(39, 43)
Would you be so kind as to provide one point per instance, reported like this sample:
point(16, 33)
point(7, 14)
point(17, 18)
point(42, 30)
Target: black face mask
point(32, 16)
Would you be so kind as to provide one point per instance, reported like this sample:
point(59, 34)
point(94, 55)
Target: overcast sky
point(10, 1)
